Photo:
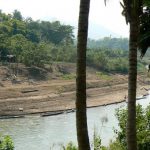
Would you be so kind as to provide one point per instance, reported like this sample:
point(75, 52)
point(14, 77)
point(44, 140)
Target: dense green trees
point(108, 60)
point(17, 15)
point(24, 37)
point(21, 37)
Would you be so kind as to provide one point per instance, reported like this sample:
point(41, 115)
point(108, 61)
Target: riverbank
point(58, 96)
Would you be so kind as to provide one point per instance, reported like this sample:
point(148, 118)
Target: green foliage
point(142, 125)
point(17, 15)
point(103, 75)
point(120, 143)
point(68, 76)
point(118, 65)
point(97, 58)
point(108, 60)
point(6, 143)
point(22, 37)
point(109, 43)
point(65, 53)
point(96, 141)
point(18, 45)
point(37, 43)
point(116, 145)
point(70, 146)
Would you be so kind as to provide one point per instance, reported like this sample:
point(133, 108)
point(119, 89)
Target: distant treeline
point(36, 43)
point(111, 43)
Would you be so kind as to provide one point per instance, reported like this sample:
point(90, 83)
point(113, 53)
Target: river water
point(43, 133)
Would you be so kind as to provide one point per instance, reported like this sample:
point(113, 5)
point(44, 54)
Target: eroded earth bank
point(42, 91)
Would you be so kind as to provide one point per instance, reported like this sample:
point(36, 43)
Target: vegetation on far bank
point(39, 43)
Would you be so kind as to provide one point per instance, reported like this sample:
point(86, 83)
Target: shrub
point(142, 125)
point(116, 145)
point(68, 76)
point(96, 141)
point(103, 75)
point(6, 143)
point(70, 146)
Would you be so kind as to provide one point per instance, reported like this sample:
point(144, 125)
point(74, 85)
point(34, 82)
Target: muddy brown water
point(43, 133)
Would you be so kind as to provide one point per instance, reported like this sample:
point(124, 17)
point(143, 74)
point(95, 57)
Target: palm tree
point(132, 11)
point(81, 117)
point(132, 79)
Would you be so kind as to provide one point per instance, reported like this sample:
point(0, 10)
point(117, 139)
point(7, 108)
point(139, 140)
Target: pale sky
point(67, 11)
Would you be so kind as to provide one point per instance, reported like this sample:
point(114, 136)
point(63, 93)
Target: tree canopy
point(20, 36)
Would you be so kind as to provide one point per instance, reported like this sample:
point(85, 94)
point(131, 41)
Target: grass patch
point(103, 76)
point(68, 76)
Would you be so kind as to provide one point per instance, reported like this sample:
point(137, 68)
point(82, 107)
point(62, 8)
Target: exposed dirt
point(21, 96)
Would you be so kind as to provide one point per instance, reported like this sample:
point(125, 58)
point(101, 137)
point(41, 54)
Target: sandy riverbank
point(58, 95)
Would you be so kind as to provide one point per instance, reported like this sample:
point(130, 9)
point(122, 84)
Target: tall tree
point(132, 12)
point(81, 116)
point(17, 15)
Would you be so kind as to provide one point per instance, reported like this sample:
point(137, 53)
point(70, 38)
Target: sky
point(107, 18)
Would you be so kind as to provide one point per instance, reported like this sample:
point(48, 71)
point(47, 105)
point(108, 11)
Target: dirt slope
point(22, 96)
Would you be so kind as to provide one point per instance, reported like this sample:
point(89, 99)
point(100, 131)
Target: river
point(41, 133)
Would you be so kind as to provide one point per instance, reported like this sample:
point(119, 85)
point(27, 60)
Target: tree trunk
point(81, 117)
point(131, 122)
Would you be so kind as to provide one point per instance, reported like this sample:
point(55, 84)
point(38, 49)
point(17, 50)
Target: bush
point(116, 145)
point(118, 65)
point(68, 76)
point(142, 125)
point(6, 143)
point(143, 130)
point(103, 75)
point(70, 146)
point(97, 141)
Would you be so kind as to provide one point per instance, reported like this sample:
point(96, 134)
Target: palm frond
point(126, 5)
point(144, 34)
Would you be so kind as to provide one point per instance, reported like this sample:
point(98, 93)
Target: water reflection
point(40, 133)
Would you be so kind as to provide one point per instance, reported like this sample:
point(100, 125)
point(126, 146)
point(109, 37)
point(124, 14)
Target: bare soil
point(24, 96)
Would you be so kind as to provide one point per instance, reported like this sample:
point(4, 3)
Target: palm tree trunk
point(81, 117)
point(131, 122)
